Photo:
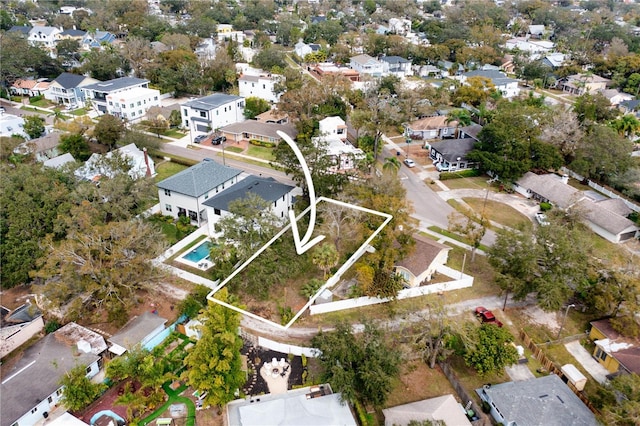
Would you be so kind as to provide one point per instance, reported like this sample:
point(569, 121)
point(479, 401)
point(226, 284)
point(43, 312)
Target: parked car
point(541, 218)
point(441, 167)
point(218, 140)
point(486, 316)
point(200, 138)
point(409, 162)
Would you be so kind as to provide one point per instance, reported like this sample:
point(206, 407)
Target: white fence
point(285, 348)
point(464, 281)
point(601, 189)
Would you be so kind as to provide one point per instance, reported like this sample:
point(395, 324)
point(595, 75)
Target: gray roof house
point(608, 218)
point(184, 193)
point(18, 326)
point(31, 389)
point(396, 65)
point(548, 188)
point(451, 154)
point(212, 112)
point(542, 401)
point(139, 331)
point(278, 194)
point(258, 130)
point(505, 85)
point(67, 89)
point(443, 409)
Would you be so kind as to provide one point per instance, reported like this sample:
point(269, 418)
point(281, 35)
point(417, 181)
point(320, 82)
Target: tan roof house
point(435, 127)
point(441, 410)
point(579, 84)
point(549, 188)
point(419, 267)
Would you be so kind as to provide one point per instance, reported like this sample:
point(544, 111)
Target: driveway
point(519, 372)
point(593, 367)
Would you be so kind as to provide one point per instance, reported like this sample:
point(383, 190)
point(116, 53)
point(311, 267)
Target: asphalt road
point(11, 109)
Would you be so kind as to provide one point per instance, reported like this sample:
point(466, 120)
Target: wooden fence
point(483, 419)
point(551, 367)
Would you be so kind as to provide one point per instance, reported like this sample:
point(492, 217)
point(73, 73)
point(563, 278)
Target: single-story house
point(31, 388)
point(329, 68)
point(615, 352)
point(608, 218)
point(549, 188)
point(138, 332)
point(97, 166)
point(42, 148)
point(256, 130)
point(27, 87)
point(311, 405)
point(184, 193)
point(450, 68)
point(436, 127)
point(18, 326)
point(418, 268)
point(272, 116)
point(442, 410)
point(451, 154)
point(616, 97)
point(59, 161)
point(544, 400)
point(278, 194)
point(579, 84)
point(536, 31)
point(302, 49)
point(426, 71)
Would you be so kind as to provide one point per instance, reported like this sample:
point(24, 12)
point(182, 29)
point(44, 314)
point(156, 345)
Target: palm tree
point(391, 164)
point(325, 257)
point(626, 125)
point(460, 116)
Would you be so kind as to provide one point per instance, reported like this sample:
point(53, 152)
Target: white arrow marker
point(302, 245)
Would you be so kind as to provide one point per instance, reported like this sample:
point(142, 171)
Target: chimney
point(146, 162)
point(565, 179)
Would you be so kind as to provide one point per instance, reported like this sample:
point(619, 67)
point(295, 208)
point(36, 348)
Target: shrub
point(285, 314)
point(544, 207)
point(267, 144)
point(51, 326)
point(34, 99)
point(459, 174)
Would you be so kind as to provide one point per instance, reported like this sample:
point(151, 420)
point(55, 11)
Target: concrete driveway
point(593, 367)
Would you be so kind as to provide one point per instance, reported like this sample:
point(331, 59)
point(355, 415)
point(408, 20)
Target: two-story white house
point(302, 49)
point(44, 37)
point(278, 194)
point(126, 97)
point(260, 85)
point(212, 112)
point(184, 193)
point(333, 127)
point(226, 32)
point(31, 389)
point(368, 65)
point(333, 138)
point(66, 89)
point(397, 66)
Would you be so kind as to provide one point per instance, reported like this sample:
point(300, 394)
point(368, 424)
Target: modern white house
point(128, 98)
point(212, 112)
point(31, 389)
point(260, 85)
point(97, 166)
point(368, 65)
point(302, 49)
point(333, 127)
point(278, 194)
point(184, 193)
point(67, 89)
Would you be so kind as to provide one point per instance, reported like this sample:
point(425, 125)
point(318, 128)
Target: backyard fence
point(284, 348)
point(483, 419)
point(606, 191)
point(551, 367)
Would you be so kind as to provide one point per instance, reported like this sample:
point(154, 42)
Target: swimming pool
point(198, 253)
point(119, 420)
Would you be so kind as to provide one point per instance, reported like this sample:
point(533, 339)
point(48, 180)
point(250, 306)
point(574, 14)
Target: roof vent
point(84, 346)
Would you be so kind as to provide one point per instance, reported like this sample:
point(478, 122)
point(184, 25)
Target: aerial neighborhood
point(305, 212)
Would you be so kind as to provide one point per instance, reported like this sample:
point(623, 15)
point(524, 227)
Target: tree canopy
point(78, 390)
point(488, 349)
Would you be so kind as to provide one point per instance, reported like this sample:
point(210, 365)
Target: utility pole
point(564, 319)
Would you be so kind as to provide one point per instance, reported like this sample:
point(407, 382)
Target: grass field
point(498, 212)
point(79, 112)
point(260, 152)
point(167, 169)
point(478, 182)
point(235, 149)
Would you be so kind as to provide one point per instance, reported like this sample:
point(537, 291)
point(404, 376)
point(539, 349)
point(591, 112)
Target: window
point(203, 114)
point(130, 105)
point(110, 103)
point(216, 212)
point(87, 370)
point(185, 112)
point(139, 112)
point(167, 193)
point(264, 86)
point(59, 392)
point(167, 207)
point(206, 196)
point(601, 354)
point(275, 203)
point(193, 215)
point(155, 98)
point(33, 410)
point(253, 85)
point(139, 103)
point(217, 112)
point(50, 400)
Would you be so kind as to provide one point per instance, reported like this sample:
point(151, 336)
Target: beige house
point(418, 268)
point(579, 84)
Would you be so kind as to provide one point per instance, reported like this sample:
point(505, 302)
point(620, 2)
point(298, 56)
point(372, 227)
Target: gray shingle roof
point(69, 80)
point(260, 128)
point(550, 186)
point(498, 78)
point(394, 60)
point(542, 401)
point(199, 179)
point(212, 101)
point(137, 329)
point(116, 84)
point(604, 218)
point(266, 188)
point(37, 375)
point(451, 149)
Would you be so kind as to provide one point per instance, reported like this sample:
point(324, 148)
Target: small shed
point(574, 376)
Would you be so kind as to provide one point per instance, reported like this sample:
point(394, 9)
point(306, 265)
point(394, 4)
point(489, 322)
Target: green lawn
point(173, 133)
point(260, 152)
point(42, 103)
point(477, 182)
point(499, 212)
point(79, 111)
point(235, 149)
point(167, 169)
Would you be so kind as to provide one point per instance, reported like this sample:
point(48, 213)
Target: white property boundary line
point(330, 282)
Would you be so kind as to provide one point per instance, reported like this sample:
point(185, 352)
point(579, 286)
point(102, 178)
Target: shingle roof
point(394, 60)
point(37, 375)
point(137, 329)
point(74, 33)
point(260, 128)
point(266, 188)
point(116, 84)
point(604, 218)
point(20, 29)
point(550, 186)
point(625, 349)
point(498, 78)
point(444, 408)
point(212, 101)
point(432, 123)
point(69, 80)
point(423, 255)
point(199, 179)
point(452, 149)
point(44, 30)
point(542, 401)
point(364, 59)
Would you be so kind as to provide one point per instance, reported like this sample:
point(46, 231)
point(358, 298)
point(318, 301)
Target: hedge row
point(460, 174)
point(262, 143)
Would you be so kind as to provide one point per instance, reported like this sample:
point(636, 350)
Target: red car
point(486, 316)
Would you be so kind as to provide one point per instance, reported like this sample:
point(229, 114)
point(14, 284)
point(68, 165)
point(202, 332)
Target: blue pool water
point(109, 413)
point(198, 253)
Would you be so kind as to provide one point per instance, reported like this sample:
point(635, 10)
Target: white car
point(541, 218)
point(409, 162)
